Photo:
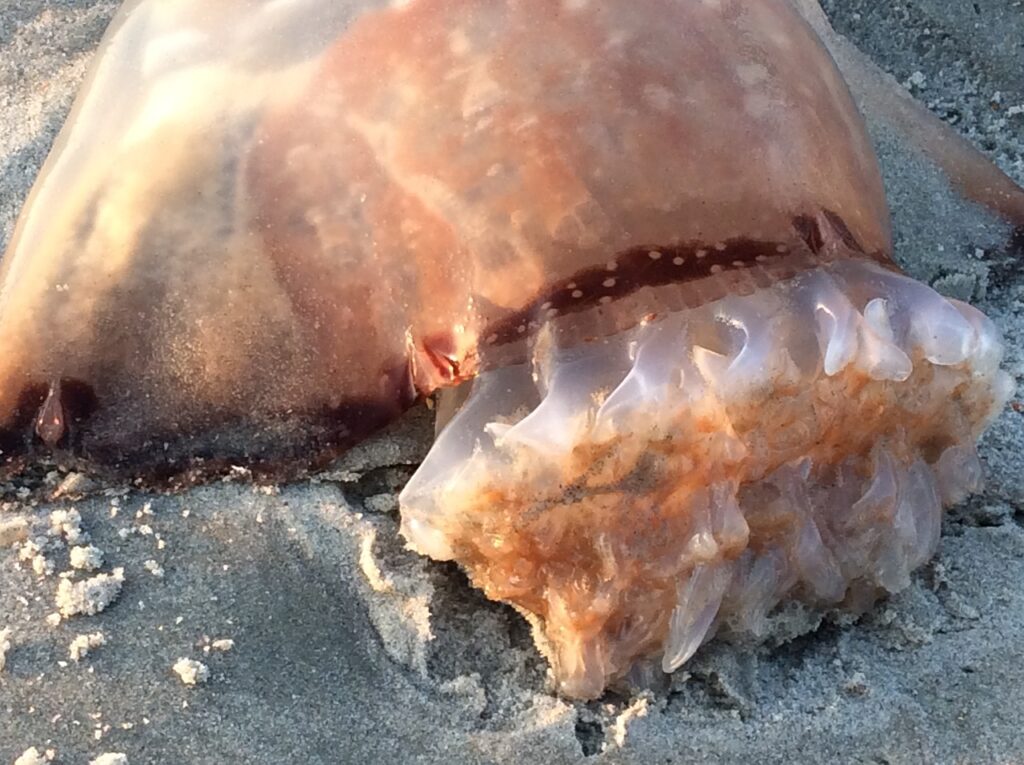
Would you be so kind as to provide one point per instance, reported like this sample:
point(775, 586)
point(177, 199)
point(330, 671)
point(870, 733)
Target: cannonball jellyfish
point(639, 248)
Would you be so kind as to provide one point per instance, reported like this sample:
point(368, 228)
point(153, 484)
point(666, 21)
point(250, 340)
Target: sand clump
point(191, 672)
point(68, 524)
point(89, 596)
point(32, 553)
point(85, 558)
point(82, 645)
point(5, 646)
point(33, 756)
point(110, 758)
point(13, 530)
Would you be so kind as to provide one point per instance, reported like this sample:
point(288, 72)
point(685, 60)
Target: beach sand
point(324, 641)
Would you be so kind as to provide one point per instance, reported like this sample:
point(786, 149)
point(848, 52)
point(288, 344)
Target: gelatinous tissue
point(641, 248)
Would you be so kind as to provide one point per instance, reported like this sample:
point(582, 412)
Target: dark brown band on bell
point(657, 266)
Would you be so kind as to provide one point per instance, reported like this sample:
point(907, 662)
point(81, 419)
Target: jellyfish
point(640, 253)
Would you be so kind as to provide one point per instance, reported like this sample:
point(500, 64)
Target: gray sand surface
point(349, 649)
